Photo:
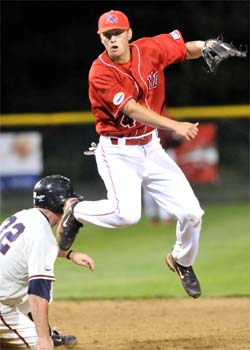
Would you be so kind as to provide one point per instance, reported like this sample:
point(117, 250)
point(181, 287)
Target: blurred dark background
point(47, 48)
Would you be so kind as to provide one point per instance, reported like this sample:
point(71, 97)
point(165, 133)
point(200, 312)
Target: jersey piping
point(139, 72)
point(47, 277)
point(126, 74)
point(15, 331)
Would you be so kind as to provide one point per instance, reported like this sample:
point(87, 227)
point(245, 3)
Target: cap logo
point(111, 19)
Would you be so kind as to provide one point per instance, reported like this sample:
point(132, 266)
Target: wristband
point(68, 254)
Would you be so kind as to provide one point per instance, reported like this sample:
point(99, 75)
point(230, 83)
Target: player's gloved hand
point(216, 50)
point(68, 226)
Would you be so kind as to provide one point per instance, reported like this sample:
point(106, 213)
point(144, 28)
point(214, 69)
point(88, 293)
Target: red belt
point(133, 142)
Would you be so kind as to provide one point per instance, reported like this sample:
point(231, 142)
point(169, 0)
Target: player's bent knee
point(128, 219)
point(192, 216)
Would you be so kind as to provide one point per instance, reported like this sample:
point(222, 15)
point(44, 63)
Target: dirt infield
point(158, 324)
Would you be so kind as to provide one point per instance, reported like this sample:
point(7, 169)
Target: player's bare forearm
point(39, 309)
point(82, 260)
point(78, 258)
point(194, 49)
point(146, 116)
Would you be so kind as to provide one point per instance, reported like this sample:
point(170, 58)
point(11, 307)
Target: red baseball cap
point(112, 20)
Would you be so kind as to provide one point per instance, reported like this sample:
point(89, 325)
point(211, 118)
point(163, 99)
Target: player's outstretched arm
point(146, 116)
point(194, 49)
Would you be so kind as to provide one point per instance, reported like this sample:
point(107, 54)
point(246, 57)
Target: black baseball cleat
point(187, 276)
point(62, 340)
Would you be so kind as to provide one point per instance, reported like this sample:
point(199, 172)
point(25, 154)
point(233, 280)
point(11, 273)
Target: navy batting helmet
point(52, 191)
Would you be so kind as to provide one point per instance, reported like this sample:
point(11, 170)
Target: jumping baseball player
point(127, 95)
point(28, 250)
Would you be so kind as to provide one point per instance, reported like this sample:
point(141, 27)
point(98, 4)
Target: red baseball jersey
point(112, 85)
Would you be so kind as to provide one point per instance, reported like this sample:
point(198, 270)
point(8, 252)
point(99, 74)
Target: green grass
point(130, 261)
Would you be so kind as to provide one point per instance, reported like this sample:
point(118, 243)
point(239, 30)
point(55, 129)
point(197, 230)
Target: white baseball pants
point(124, 169)
point(16, 329)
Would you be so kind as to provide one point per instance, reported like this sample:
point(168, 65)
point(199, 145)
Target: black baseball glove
point(68, 227)
point(216, 50)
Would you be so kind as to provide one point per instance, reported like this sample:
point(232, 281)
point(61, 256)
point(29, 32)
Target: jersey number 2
point(12, 233)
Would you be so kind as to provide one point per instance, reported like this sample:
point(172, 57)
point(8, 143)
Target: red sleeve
point(172, 47)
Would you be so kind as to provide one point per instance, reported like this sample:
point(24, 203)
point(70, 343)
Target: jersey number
point(127, 121)
point(12, 233)
point(152, 80)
